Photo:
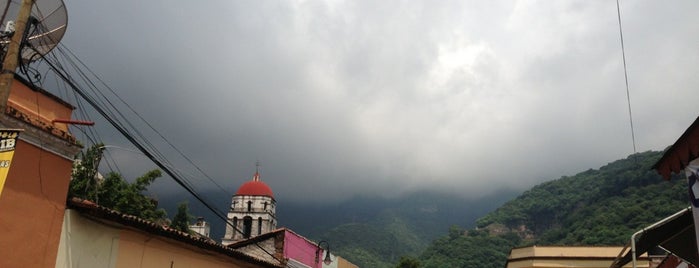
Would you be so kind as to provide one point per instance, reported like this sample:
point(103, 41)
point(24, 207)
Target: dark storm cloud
point(339, 98)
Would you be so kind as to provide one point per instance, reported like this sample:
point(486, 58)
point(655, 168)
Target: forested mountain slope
point(376, 232)
point(596, 207)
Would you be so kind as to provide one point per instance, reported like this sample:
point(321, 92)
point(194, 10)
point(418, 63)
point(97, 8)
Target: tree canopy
point(593, 208)
point(182, 219)
point(113, 191)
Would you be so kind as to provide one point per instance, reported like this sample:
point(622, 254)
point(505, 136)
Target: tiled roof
point(684, 150)
point(93, 210)
point(266, 236)
point(19, 115)
point(255, 187)
point(257, 239)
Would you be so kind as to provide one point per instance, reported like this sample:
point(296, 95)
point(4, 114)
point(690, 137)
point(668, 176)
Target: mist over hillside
point(595, 207)
point(429, 212)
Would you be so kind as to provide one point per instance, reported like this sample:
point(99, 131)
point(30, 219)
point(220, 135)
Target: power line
point(144, 146)
point(626, 76)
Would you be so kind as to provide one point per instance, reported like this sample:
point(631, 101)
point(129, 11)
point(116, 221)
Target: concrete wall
point(87, 242)
point(342, 263)
point(303, 251)
point(261, 250)
point(141, 250)
point(31, 207)
point(258, 209)
point(300, 249)
point(39, 105)
point(333, 264)
point(562, 257)
point(33, 199)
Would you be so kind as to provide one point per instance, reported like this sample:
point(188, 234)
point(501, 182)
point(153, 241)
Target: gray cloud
point(339, 98)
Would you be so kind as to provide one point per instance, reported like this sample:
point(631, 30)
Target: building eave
point(104, 214)
point(684, 150)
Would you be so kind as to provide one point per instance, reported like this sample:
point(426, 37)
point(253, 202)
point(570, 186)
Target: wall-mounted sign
point(8, 141)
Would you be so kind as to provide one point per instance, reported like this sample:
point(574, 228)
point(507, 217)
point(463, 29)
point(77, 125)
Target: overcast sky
point(337, 98)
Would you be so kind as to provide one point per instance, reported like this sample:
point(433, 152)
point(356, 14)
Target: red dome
point(255, 187)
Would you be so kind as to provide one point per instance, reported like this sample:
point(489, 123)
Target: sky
point(343, 98)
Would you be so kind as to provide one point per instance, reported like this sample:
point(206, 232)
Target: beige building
point(95, 236)
point(562, 256)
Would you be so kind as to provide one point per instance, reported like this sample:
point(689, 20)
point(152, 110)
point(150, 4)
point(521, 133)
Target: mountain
point(376, 232)
point(597, 207)
point(370, 231)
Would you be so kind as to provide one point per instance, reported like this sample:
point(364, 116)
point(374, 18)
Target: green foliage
point(182, 219)
point(84, 183)
point(408, 262)
point(595, 207)
point(476, 249)
point(382, 230)
point(366, 245)
point(114, 192)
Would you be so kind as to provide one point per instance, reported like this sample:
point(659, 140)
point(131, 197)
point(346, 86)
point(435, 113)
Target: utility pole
point(9, 65)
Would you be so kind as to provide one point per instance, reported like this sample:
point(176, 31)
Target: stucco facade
point(252, 212)
point(32, 202)
point(94, 236)
point(564, 257)
point(290, 250)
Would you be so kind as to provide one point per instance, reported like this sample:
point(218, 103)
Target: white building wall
point(332, 264)
point(255, 207)
point(86, 244)
point(201, 227)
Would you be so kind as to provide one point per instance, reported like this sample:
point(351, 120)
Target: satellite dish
point(45, 27)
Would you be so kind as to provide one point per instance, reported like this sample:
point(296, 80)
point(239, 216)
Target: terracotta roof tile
point(684, 150)
point(91, 209)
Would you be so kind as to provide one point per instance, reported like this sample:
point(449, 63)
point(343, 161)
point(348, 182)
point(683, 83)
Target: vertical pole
point(9, 65)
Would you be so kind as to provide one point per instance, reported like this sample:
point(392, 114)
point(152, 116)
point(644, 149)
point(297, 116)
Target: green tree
point(84, 178)
point(596, 207)
point(181, 220)
point(408, 262)
point(114, 192)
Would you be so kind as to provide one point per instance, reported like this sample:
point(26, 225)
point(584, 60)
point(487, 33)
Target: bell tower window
point(247, 226)
point(259, 226)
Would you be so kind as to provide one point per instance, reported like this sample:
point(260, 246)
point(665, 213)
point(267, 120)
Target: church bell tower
point(252, 211)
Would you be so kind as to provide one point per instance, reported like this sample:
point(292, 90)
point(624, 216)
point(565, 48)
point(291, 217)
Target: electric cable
point(626, 76)
point(147, 123)
point(141, 147)
point(144, 145)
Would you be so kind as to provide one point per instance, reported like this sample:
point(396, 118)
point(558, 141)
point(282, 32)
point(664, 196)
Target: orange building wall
point(342, 263)
point(32, 206)
point(33, 200)
point(36, 104)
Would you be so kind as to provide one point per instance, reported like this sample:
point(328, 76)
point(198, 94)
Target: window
point(247, 226)
point(259, 226)
point(249, 205)
point(235, 226)
point(265, 205)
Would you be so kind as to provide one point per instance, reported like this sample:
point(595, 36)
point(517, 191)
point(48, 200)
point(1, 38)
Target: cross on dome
point(255, 187)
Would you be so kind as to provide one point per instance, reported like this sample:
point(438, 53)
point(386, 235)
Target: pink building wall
point(301, 250)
